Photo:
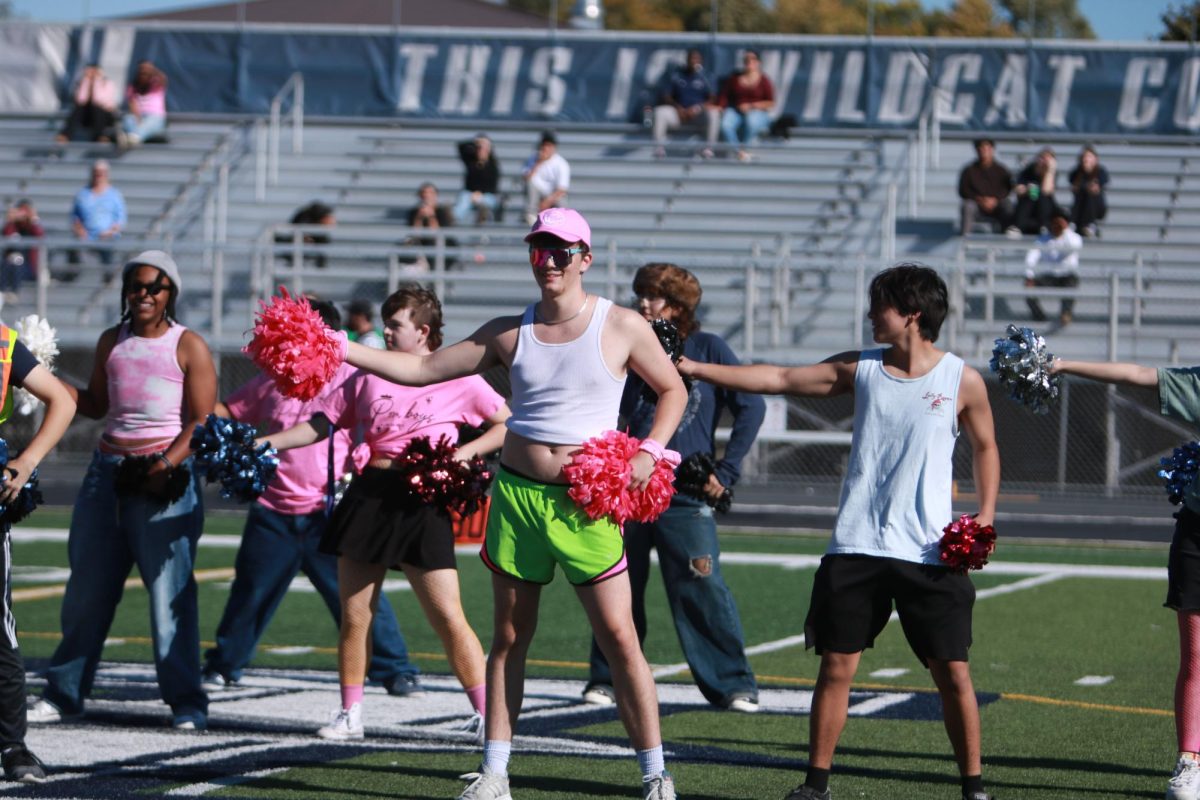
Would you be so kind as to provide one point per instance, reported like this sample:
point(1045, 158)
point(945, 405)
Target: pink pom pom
point(599, 474)
point(966, 544)
point(294, 346)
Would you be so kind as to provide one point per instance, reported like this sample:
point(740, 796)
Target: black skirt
point(380, 522)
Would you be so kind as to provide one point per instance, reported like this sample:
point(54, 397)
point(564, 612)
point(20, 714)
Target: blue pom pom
point(1023, 365)
point(225, 452)
point(1179, 471)
point(29, 498)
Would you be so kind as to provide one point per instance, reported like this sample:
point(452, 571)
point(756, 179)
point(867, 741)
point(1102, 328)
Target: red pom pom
point(432, 473)
point(599, 474)
point(966, 545)
point(294, 346)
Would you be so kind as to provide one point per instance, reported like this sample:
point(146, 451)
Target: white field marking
point(198, 789)
point(302, 585)
point(113, 642)
point(889, 672)
point(1094, 680)
point(668, 670)
point(297, 650)
point(879, 702)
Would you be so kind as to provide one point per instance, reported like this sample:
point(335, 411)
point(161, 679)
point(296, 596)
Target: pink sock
point(1187, 684)
point(351, 695)
point(478, 697)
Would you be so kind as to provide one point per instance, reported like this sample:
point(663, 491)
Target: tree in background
point(974, 19)
point(1181, 23)
point(1052, 19)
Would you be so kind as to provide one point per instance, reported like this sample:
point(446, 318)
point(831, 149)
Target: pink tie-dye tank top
point(145, 386)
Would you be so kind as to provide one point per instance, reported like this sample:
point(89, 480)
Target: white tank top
point(896, 494)
point(563, 393)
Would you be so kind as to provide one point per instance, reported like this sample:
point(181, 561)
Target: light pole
point(588, 14)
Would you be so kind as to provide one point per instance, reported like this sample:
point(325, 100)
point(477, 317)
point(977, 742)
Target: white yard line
point(198, 789)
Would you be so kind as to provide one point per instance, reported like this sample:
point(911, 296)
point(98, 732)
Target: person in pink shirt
point(146, 97)
point(281, 537)
point(93, 115)
point(378, 525)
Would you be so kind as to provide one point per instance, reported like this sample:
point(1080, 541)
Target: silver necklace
point(537, 314)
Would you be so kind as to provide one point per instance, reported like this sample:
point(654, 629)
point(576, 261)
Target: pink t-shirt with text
point(388, 415)
point(300, 485)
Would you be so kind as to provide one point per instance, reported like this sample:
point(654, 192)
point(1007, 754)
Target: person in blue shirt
point(98, 214)
point(705, 614)
point(688, 98)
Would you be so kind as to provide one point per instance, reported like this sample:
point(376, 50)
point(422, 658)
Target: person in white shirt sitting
point(1057, 253)
point(547, 178)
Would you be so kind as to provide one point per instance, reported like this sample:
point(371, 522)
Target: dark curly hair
point(423, 306)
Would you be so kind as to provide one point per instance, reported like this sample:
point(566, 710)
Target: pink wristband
point(342, 342)
point(657, 452)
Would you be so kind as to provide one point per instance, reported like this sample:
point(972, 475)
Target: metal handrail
point(293, 88)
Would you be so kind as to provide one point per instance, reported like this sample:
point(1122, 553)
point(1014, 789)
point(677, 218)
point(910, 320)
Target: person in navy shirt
point(705, 614)
point(688, 98)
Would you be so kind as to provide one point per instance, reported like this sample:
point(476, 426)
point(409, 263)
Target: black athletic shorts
point(852, 599)
point(1183, 566)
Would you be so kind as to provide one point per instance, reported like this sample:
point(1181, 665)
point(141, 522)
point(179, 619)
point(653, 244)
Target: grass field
point(1075, 672)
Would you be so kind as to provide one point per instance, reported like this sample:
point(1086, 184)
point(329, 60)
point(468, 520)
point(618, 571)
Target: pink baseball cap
point(565, 223)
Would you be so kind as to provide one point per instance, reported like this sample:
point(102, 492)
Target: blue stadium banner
point(1005, 86)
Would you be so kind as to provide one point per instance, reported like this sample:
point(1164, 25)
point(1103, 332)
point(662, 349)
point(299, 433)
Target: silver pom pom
point(1021, 361)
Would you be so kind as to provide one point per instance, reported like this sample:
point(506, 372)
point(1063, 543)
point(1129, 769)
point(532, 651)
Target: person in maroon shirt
point(748, 98)
point(19, 262)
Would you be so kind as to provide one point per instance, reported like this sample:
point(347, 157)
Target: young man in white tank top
point(556, 416)
point(895, 502)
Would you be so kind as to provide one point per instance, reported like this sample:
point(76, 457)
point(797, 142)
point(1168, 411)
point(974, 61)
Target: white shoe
point(1185, 783)
point(475, 726)
point(660, 787)
point(43, 712)
point(346, 724)
point(600, 694)
point(743, 703)
point(485, 785)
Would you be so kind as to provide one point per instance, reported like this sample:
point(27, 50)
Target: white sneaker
point(475, 727)
point(600, 694)
point(743, 703)
point(43, 712)
point(1185, 783)
point(660, 787)
point(346, 724)
point(485, 785)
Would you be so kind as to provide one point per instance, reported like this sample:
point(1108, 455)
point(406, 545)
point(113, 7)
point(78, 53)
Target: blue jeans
point(109, 534)
point(464, 207)
point(148, 126)
point(274, 548)
point(705, 615)
point(738, 128)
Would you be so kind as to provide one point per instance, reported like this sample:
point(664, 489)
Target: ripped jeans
point(705, 614)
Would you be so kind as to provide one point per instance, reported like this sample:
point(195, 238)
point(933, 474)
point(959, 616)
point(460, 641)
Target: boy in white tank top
point(594, 344)
point(910, 402)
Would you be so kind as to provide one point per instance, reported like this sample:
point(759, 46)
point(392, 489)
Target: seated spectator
point(1089, 181)
point(480, 195)
point(547, 178)
point(20, 259)
point(689, 99)
point(1035, 195)
point(748, 98)
point(984, 186)
point(146, 98)
point(429, 213)
point(1057, 253)
point(98, 215)
point(313, 214)
point(360, 324)
point(93, 114)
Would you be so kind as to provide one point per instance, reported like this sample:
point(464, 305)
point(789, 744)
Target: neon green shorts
point(532, 526)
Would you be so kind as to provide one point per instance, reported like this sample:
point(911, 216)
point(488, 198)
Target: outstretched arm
point(976, 417)
point(305, 433)
point(1107, 372)
point(832, 377)
point(471, 356)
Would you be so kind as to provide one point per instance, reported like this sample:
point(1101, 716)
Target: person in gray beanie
point(152, 382)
